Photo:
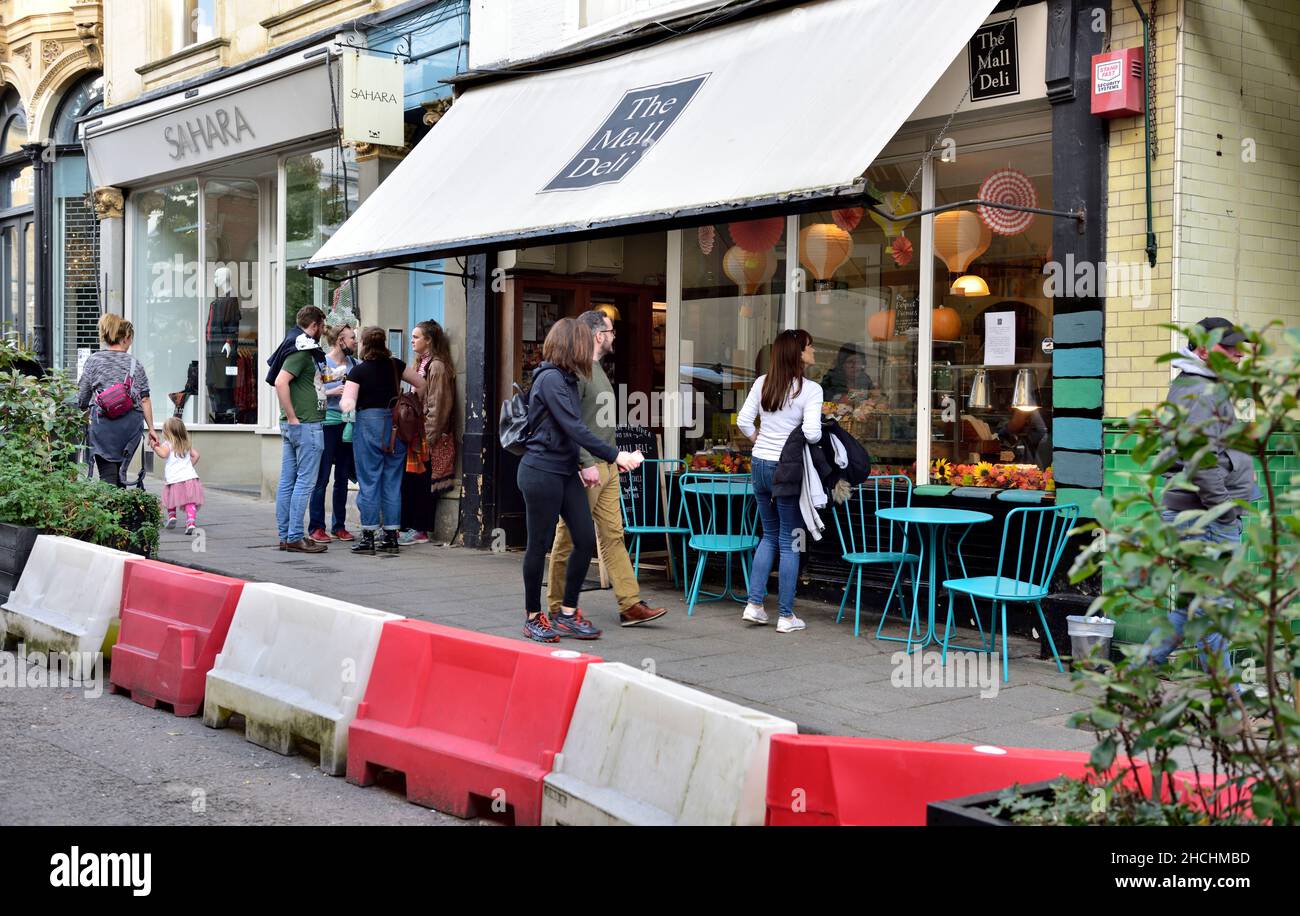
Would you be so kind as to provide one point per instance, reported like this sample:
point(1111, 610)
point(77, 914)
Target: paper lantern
point(749, 269)
point(758, 234)
point(960, 237)
point(823, 249)
point(881, 325)
point(945, 323)
point(897, 203)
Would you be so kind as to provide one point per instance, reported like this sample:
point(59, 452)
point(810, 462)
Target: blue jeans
point(781, 517)
point(379, 473)
point(337, 457)
point(1214, 533)
point(299, 462)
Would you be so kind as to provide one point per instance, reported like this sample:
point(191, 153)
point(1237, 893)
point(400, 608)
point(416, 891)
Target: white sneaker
point(754, 613)
point(790, 624)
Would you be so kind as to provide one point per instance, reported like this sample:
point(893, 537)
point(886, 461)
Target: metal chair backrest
point(860, 529)
point(647, 494)
point(719, 504)
point(1044, 531)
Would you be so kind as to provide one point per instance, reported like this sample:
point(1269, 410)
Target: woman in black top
point(370, 389)
point(549, 480)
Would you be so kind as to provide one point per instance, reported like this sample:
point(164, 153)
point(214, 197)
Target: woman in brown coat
point(431, 468)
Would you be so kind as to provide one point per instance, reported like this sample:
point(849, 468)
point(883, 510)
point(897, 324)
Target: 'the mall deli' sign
point(994, 61)
point(372, 99)
point(637, 122)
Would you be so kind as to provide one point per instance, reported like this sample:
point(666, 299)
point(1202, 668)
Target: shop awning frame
point(735, 147)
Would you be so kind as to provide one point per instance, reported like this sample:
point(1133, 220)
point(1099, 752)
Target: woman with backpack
point(115, 387)
point(372, 390)
point(550, 481)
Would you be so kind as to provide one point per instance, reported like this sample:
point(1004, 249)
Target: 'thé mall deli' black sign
point(994, 61)
point(638, 122)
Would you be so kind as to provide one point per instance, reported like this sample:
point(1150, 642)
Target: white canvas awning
point(768, 111)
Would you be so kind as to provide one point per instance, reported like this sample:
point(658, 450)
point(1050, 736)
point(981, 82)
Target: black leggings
point(110, 471)
point(550, 497)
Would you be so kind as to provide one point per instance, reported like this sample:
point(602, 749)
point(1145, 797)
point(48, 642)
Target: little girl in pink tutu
point(182, 485)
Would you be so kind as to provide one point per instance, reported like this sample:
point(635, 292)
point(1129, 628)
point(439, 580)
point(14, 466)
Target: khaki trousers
point(608, 517)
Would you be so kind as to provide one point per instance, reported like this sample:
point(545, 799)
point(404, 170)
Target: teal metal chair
point(722, 517)
point(1038, 536)
point(652, 505)
point(867, 540)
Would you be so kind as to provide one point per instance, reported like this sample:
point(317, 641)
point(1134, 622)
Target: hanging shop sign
point(372, 99)
point(630, 131)
point(994, 61)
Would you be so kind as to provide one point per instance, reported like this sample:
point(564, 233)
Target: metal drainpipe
point(1148, 68)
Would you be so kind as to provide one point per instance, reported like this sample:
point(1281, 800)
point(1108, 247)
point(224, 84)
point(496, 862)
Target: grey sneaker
point(406, 537)
point(790, 624)
point(754, 613)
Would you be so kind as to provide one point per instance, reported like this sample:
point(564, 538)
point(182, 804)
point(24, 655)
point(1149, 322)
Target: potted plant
point(1243, 725)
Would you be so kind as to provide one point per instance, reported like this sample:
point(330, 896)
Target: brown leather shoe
point(305, 546)
point(640, 613)
point(284, 545)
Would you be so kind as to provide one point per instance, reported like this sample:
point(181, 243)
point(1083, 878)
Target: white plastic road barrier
point(68, 596)
point(294, 665)
point(647, 751)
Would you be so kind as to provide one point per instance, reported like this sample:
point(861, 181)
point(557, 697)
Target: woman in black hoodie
point(549, 479)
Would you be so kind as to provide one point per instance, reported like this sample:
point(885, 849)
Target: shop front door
point(18, 278)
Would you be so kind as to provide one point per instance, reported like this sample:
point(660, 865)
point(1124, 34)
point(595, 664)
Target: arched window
point(84, 98)
point(14, 121)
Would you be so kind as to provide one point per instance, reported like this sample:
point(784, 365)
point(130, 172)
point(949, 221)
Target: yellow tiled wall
point(1239, 220)
point(1138, 301)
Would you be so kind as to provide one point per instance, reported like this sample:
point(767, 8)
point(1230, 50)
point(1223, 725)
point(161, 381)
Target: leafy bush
point(41, 484)
point(1245, 746)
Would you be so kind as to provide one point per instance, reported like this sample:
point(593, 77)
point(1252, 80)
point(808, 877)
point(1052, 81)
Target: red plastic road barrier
point(174, 622)
point(819, 780)
point(474, 721)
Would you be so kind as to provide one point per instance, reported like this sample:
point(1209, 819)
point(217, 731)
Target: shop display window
point(733, 292)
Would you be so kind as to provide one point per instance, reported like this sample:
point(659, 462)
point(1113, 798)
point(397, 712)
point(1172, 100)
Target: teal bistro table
point(933, 526)
point(719, 526)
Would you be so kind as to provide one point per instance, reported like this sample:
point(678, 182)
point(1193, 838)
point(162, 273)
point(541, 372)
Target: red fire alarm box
point(1118, 86)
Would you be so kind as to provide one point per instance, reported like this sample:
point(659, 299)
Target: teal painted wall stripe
point(1077, 469)
point(1081, 498)
point(1080, 393)
point(1076, 432)
point(1080, 327)
point(1083, 362)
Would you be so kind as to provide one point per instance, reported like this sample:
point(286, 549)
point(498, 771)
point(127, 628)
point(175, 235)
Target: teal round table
point(932, 526)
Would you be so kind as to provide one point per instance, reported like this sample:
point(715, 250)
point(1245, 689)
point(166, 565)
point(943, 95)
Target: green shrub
point(41, 484)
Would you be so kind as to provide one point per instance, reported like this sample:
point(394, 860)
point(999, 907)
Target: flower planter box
point(973, 810)
point(16, 542)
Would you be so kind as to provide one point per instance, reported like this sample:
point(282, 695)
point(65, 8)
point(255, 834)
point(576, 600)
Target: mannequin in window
point(221, 333)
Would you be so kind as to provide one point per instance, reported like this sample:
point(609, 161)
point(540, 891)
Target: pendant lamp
point(1022, 395)
point(979, 391)
point(969, 285)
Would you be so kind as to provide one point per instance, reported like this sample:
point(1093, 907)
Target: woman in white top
point(782, 401)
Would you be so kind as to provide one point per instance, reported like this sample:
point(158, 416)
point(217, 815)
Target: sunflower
point(983, 470)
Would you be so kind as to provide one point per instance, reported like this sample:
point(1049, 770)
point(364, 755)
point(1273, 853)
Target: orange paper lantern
point(823, 249)
point(881, 325)
point(757, 234)
point(960, 237)
point(749, 269)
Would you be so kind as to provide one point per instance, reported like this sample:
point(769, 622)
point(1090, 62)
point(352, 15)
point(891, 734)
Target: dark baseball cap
point(1232, 335)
